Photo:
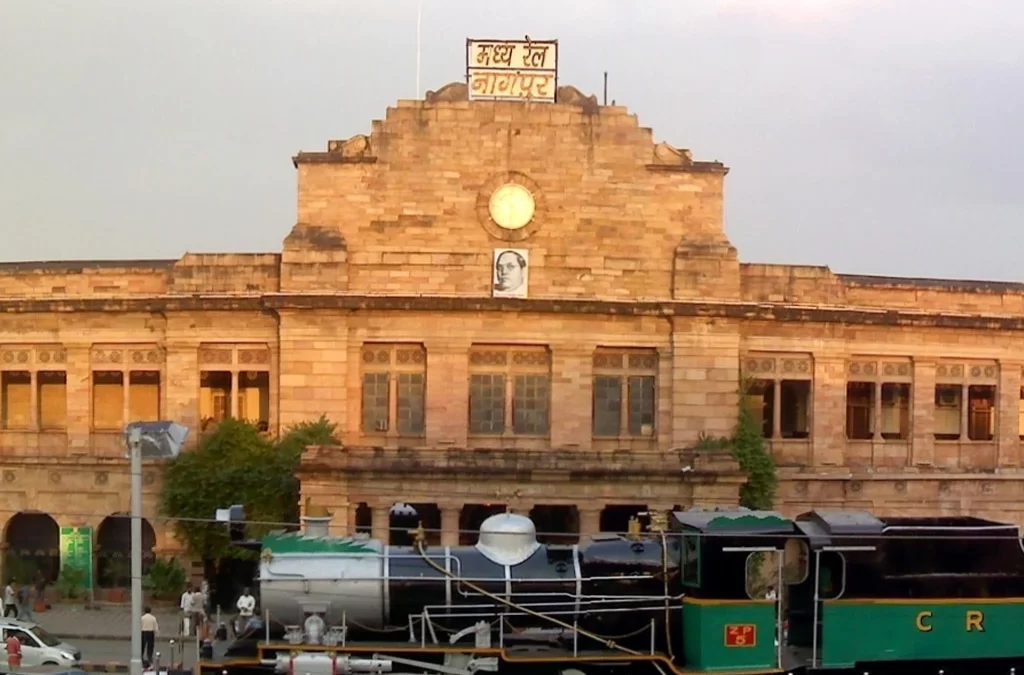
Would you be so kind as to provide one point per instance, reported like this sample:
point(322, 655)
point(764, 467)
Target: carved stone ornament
point(10, 476)
point(356, 147)
point(102, 478)
point(449, 93)
point(671, 155)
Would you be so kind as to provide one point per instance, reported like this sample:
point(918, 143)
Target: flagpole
point(419, 43)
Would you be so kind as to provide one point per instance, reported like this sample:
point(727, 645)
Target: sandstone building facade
point(569, 385)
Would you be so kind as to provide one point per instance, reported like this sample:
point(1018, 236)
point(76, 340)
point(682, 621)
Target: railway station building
point(510, 304)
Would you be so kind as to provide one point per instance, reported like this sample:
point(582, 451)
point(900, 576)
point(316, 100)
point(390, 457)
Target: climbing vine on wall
point(751, 452)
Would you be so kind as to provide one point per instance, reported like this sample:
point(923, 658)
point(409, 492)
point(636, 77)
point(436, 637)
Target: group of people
point(194, 604)
point(194, 618)
point(20, 598)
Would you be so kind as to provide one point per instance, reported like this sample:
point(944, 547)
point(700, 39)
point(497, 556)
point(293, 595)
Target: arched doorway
point(33, 546)
point(114, 550)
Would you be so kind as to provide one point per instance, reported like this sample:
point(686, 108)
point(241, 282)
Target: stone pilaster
point(571, 392)
point(313, 366)
point(705, 379)
point(447, 404)
point(1008, 416)
point(828, 416)
point(922, 449)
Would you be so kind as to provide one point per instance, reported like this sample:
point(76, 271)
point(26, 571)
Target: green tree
point(748, 448)
point(235, 464)
point(292, 444)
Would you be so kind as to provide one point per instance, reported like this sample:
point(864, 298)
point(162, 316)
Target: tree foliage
point(750, 451)
point(235, 464)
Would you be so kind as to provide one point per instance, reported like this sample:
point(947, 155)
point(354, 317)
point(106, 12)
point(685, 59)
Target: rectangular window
point(607, 405)
point(761, 398)
point(779, 394)
point(625, 393)
point(487, 403)
point(690, 562)
point(530, 404)
point(52, 398)
point(376, 402)
point(16, 396)
point(948, 409)
point(412, 404)
point(981, 407)
point(144, 395)
point(795, 401)
point(1020, 415)
point(108, 400)
point(860, 410)
point(214, 397)
point(896, 407)
point(509, 391)
point(394, 382)
point(254, 397)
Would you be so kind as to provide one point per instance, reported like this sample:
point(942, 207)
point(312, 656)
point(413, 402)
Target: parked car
point(38, 648)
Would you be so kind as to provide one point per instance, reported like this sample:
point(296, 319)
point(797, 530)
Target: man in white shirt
point(186, 611)
point(10, 600)
point(150, 629)
point(197, 606)
point(246, 609)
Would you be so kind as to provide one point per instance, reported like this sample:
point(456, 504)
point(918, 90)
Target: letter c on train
point(921, 625)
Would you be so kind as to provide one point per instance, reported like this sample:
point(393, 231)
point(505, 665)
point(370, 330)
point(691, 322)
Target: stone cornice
point(571, 464)
point(747, 311)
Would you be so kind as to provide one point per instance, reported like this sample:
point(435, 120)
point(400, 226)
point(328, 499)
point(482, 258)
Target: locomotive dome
point(507, 538)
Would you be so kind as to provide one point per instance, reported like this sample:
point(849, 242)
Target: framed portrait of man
point(510, 273)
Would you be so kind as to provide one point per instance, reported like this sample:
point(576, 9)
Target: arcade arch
point(32, 546)
point(114, 550)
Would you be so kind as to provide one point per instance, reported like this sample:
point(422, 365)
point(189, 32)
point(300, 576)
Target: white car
point(38, 648)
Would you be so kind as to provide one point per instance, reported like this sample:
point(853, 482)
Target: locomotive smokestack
point(317, 520)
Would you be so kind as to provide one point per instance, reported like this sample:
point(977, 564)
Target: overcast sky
point(875, 137)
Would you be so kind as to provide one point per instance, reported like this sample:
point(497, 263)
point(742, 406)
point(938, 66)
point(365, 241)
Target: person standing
point(13, 645)
point(197, 607)
point(10, 600)
point(150, 629)
point(25, 602)
point(186, 611)
point(246, 609)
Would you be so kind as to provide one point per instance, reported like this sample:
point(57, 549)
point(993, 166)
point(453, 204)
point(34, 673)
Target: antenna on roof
point(605, 87)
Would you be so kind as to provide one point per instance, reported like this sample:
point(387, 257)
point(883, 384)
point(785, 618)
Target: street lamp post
point(149, 440)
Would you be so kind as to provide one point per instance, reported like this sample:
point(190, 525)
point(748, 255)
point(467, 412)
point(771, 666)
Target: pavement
point(103, 633)
point(112, 656)
point(103, 622)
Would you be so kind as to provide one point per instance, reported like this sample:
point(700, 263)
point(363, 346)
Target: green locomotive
point(704, 591)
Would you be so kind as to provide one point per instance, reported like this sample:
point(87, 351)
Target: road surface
point(119, 651)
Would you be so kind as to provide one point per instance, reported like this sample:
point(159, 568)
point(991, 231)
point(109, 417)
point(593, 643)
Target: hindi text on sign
point(513, 55)
point(512, 69)
point(488, 84)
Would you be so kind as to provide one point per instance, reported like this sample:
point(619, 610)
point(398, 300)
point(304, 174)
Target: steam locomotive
point(849, 591)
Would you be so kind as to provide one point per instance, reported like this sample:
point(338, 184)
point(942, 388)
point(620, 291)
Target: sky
point(870, 136)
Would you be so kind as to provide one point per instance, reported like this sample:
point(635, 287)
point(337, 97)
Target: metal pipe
point(814, 624)
point(779, 559)
point(135, 452)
